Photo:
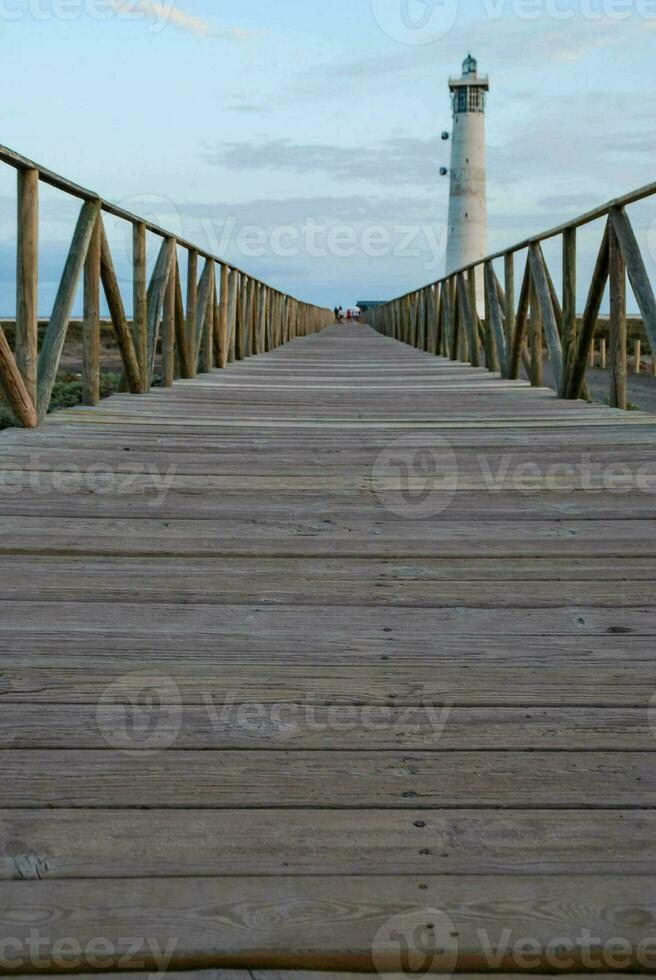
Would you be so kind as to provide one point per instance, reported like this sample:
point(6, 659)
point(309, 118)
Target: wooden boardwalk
point(300, 651)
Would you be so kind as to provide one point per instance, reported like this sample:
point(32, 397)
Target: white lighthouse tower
point(467, 235)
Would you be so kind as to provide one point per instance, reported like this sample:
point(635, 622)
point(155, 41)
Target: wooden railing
point(219, 321)
point(443, 318)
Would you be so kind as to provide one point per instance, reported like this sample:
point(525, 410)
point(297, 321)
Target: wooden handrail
point(515, 335)
point(222, 322)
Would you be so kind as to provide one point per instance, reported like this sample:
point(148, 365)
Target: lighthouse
point(467, 232)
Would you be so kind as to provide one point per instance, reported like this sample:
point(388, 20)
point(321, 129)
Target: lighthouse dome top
point(470, 65)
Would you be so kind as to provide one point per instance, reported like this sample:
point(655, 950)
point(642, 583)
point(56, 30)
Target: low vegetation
point(67, 393)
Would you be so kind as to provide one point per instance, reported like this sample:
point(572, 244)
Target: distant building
point(467, 232)
point(370, 304)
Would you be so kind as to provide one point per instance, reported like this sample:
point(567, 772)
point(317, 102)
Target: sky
point(300, 139)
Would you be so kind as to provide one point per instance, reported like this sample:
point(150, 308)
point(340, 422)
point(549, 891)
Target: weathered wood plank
point(336, 922)
point(220, 780)
point(115, 844)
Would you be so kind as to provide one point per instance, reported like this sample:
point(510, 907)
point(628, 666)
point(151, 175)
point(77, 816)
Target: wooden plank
point(497, 685)
point(220, 780)
point(290, 581)
point(126, 844)
point(347, 726)
point(335, 923)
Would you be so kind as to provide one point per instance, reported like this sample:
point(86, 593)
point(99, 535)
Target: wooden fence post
point(27, 277)
point(13, 386)
point(569, 326)
point(192, 304)
point(140, 302)
point(222, 342)
point(168, 329)
point(91, 320)
point(618, 338)
point(55, 338)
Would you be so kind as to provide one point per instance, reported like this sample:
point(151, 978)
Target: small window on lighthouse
point(461, 100)
point(476, 100)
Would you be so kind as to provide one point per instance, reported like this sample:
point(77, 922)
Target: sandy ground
point(642, 387)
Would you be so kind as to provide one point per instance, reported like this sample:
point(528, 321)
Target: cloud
point(500, 39)
point(164, 13)
point(356, 209)
point(246, 107)
point(402, 160)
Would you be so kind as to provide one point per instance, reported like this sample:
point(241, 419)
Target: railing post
point(55, 338)
point(222, 358)
point(168, 328)
point(192, 303)
point(232, 313)
point(569, 297)
point(618, 339)
point(491, 361)
point(27, 337)
point(509, 308)
point(140, 301)
point(535, 337)
point(91, 320)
